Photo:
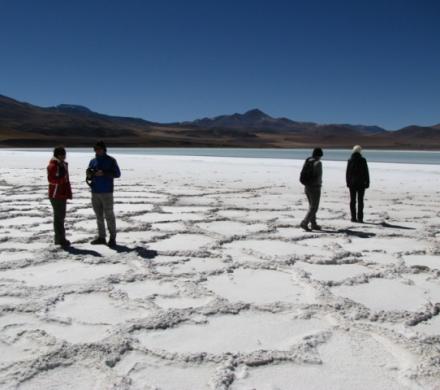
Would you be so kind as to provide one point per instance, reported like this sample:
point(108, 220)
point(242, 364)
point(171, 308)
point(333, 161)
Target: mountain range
point(26, 125)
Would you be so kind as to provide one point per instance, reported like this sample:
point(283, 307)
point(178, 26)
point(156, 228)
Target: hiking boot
point(304, 226)
point(360, 221)
point(98, 241)
point(353, 220)
point(315, 226)
point(111, 243)
point(65, 244)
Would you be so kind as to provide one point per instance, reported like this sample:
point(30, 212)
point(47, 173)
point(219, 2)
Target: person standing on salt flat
point(100, 174)
point(311, 177)
point(59, 191)
point(358, 180)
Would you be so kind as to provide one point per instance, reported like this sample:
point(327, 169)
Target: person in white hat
point(358, 180)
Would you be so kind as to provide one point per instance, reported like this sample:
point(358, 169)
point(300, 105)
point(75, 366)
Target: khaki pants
point(103, 207)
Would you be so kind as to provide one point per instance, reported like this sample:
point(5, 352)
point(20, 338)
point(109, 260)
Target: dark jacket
point(58, 178)
point(357, 176)
point(107, 164)
point(317, 173)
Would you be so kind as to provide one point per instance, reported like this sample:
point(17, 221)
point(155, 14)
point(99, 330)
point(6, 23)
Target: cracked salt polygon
point(198, 265)
point(245, 332)
point(260, 287)
point(384, 294)
point(391, 245)
point(335, 272)
point(96, 308)
point(183, 242)
point(16, 323)
point(231, 228)
point(348, 363)
point(62, 272)
point(79, 376)
point(275, 248)
point(146, 372)
point(146, 288)
point(432, 262)
point(162, 217)
point(128, 207)
point(23, 221)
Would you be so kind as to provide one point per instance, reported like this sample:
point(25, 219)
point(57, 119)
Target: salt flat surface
point(214, 286)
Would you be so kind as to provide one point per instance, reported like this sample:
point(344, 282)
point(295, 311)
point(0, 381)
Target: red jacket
point(58, 177)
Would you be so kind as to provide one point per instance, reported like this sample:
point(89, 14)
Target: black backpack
point(307, 172)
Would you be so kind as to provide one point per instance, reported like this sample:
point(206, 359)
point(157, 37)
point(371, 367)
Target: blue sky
point(369, 62)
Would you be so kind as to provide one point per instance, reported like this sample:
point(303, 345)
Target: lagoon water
point(388, 156)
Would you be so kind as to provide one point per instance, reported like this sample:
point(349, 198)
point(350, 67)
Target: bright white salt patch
point(181, 302)
point(392, 245)
point(149, 373)
point(96, 308)
point(259, 286)
point(244, 332)
point(146, 288)
point(331, 271)
point(23, 221)
point(432, 262)
point(76, 377)
point(347, 364)
point(384, 294)
point(76, 333)
point(183, 242)
point(62, 273)
point(230, 228)
point(430, 327)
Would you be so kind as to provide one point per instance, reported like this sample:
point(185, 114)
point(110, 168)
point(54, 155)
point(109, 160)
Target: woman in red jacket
point(59, 192)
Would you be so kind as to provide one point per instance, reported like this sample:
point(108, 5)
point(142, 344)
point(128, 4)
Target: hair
point(59, 151)
point(317, 152)
point(357, 149)
point(100, 145)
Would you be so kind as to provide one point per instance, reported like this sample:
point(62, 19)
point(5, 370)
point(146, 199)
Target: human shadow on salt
point(140, 251)
point(389, 225)
point(348, 232)
point(81, 252)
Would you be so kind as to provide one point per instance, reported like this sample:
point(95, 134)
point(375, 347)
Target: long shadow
point(389, 225)
point(356, 233)
point(348, 232)
point(140, 251)
point(83, 252)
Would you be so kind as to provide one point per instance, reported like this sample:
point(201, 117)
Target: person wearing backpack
point(100, 174)
point(358, 180)
point(59, 192)
point(311, 178)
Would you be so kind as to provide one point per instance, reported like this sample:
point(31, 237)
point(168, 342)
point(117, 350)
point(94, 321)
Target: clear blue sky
point(369, 62)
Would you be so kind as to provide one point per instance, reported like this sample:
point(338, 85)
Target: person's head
point(357, 149)
point(59, 152)
point(100, 148)
point(317, 153)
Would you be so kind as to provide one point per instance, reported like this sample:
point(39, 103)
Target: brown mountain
point(23, 124)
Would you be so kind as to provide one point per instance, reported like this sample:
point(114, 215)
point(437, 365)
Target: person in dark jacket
point(101, 172)
point(358, 180)
point(59, 192)
point(313, 191)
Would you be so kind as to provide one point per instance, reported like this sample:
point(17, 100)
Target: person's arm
point(367, 175)
point(318, 167)
point(347, 174)
point(116, 171)
point(55, 174)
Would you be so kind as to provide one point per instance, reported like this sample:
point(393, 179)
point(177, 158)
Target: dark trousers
point(313, 196)
point(59, 215)
point(357, 193)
